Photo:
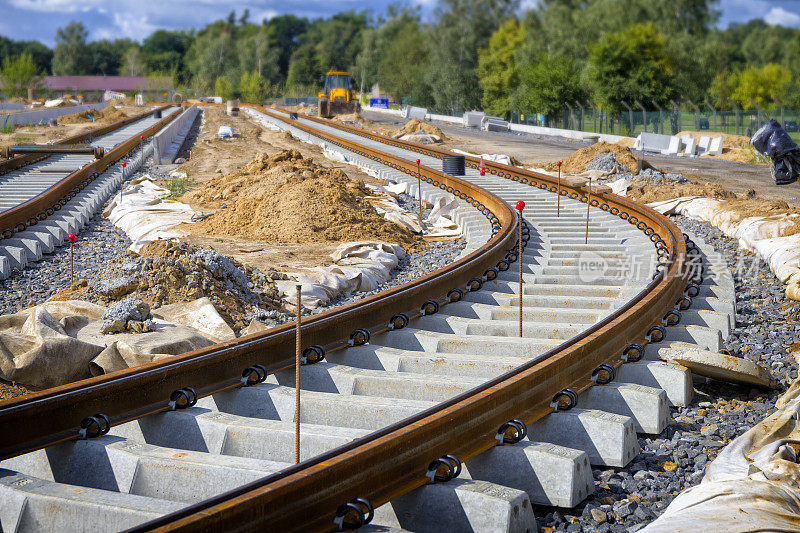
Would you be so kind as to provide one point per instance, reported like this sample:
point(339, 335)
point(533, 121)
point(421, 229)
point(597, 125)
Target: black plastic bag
point(780, 144)
point(760, 139)
point(786, 168)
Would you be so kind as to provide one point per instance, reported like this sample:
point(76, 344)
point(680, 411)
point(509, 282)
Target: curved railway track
point(44, 198)
point(416, 382)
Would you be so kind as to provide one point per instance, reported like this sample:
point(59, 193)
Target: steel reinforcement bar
point(45, 204)
point(394, 460)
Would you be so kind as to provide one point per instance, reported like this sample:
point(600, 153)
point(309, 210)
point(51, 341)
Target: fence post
point(660, 118)
point(595, 113)
point(714, 114)
point(568, 122)
point(736, 110)
point(644, 114)
point(677, 110)
point(630, 117)
point(758, 111)
point(780, 105)
point(696, 115)
point(581, 125)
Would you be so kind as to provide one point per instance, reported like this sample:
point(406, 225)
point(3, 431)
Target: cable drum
point(453, 165)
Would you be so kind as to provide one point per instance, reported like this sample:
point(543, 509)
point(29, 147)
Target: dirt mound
point(578, 161)
point(416, 125)
point(167, 272)
point(286, 198)
point(109, 114)
point(645, 191)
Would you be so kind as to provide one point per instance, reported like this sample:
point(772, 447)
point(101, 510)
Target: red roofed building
point(106, 83)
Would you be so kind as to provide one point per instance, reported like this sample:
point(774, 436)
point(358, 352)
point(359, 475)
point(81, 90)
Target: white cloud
point(777, 16)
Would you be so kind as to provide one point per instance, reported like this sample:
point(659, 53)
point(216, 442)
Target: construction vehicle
point(337, 95)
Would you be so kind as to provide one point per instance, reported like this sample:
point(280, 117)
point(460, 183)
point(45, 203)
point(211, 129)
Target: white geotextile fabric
point(142, 213)
point(752, 485)
point(438, 223)
point(359, 267)
point(60, 342)
point(503, 159)
point(762, 235)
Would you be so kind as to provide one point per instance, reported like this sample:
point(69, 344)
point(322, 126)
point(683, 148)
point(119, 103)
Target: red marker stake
point(520, 207)
point(482, 167)
point(419, 191)
point(71, 239)
point(558, 199)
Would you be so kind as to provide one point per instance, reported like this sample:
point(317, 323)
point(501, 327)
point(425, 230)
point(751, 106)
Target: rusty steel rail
point(53, 199)
point(391, 461)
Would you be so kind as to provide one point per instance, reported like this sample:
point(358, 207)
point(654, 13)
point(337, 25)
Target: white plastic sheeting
point(359, 267)
point(762, 235)
point(141, 212)
point(752, 485)
point(503, 159)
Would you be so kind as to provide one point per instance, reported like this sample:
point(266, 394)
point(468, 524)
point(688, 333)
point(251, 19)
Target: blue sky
point(39, 19)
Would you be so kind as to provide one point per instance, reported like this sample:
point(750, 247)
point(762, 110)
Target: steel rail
point(132, 393)
point(392, 461)
point(54, 198)
point(386, 463)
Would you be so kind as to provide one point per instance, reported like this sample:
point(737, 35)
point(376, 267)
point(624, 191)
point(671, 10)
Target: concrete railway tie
point(160, 463)
point(21, 185)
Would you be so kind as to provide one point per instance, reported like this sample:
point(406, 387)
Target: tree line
point(469, 54)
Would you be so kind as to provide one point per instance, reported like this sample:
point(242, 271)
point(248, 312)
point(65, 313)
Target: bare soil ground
point(535, 151)
point(211, 159)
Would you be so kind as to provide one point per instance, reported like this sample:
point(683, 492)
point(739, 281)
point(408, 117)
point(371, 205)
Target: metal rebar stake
point(297, 381)
point(558, 194)
point(588, 203)
point(519, 260)
point(419, 193)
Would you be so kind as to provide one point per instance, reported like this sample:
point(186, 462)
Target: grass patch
point(759, 158)
point(7, 126)
point(178, 186)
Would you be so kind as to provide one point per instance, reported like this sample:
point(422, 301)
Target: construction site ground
point(536, 151)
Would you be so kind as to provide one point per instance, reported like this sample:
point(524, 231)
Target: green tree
point(222, 87)
point(761, 84)
point(19, 76)
point(632, 64)
point(304, 69)
point(464, 27)
point(252, 88)
point(164, 51)
point(132, 64)
point(213, 54)
point(547, 84)
point(71, 55)
point(497, 68)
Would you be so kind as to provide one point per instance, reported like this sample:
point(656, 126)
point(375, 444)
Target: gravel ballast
point(627, 499)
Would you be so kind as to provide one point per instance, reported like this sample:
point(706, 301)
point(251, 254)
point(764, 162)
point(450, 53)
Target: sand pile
point(167, 272)
point(416, 125)
point(578, 161)
point(285, 198)
point(109, 114)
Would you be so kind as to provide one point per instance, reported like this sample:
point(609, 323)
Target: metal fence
point(667, 121)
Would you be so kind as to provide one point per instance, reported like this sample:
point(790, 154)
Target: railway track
point(43, 199)
point(422, 396)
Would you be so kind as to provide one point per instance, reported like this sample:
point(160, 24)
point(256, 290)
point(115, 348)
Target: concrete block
point(647, 406)
point(675, 381)
point(33, 247)
point(608, 439)
point(31, 504)
point(705, 337)
point(44, 237)
point(549, 474)
point(460, 505)
point(16, 256)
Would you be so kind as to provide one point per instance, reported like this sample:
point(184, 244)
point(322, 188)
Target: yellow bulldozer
point(337, 95)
